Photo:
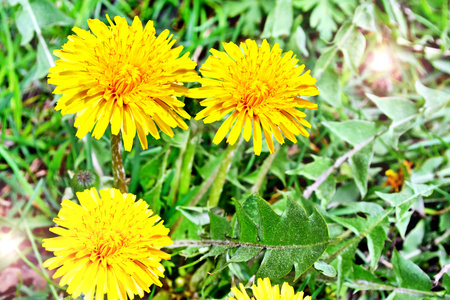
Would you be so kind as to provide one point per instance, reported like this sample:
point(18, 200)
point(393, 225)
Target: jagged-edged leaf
point(219, 227)
point(374, 228)
point(289, 240)
point(404, 200)
point(353, 132)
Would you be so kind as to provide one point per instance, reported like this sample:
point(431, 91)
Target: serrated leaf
point(434, 99)
point(247, 228)
point(298, 241)
point(403, 202)
point(374, 228)
point(409, 275)
point(219, 226)
point(353, 132)
point(290, 240)
point(360, 163)
point(397, 109)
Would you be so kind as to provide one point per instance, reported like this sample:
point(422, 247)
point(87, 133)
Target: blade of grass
point(24, 183)
point(12, 77)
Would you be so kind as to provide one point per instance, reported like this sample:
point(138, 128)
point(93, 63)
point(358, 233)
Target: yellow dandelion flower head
point(110, 244)
point(259, 87)
point(123, 75)
point(265, 291)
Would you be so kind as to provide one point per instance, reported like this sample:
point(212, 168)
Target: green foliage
point(292, 239)
point(332, 224)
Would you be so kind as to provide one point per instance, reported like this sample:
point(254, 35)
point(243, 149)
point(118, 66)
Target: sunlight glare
point(8, 245)
point(381, 61)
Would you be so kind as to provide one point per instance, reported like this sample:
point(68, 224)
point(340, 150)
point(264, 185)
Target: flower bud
point(83, 180)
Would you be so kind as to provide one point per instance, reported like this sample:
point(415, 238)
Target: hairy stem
point(117, 165)
point(219, 181)
point(231, 244)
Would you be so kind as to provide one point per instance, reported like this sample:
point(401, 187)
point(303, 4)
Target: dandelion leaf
point(291, 240)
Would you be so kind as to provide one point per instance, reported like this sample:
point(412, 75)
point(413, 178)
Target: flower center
point(127, 78)
point(124, 80)
point(255, 95)
point(107, 245)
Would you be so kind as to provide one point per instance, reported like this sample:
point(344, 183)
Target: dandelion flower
point(110, 244)
point(123, 75)
point(258, 87)
point(265, 291)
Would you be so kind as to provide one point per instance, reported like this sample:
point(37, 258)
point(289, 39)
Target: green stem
point(186, 166)
point(117, 165)
point(88, 149)
point(219, 182)
point(264, 170)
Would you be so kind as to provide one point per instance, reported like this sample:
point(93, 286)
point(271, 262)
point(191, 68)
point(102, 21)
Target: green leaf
point(397, 109)
point(290, 240)
point(365, 16)
point(360, 163)
point(326, 191)
point(42, 63)
point(352, 44)
point(404, 200)
point(55, 162)
point(283, 18)
point(409, 275)
point(374, 228)
point(47, 15)
point(219, 226)
point(279, 21)
point(300, 40)
point(325, 60)
point(325, 268)
point(353, 132)
point(313, 170)
point(435, 100)
point(280, 164)
point(414, 238)
point(197, 215)
point(441, 65)
point(330, 87)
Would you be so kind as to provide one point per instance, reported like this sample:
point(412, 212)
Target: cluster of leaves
point(358, 235)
